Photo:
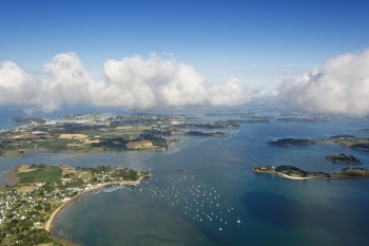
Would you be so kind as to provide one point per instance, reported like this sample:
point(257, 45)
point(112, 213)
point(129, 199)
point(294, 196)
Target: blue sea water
point(202, 206)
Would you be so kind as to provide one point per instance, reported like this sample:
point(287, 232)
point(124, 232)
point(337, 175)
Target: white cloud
point(133, 83)
point(16, 86)
point(341, 85)
point(230, 93)
point(68, 83)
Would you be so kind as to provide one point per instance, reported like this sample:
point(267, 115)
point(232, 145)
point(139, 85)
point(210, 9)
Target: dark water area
point(219, 200)
point(341, 217)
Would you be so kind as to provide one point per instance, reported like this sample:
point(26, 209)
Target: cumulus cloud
point(341, 86)
point(132, 83)
point(16, 86)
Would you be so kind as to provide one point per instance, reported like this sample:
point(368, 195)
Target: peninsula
point(295, 173)
point(28, 208)
point(83, 134)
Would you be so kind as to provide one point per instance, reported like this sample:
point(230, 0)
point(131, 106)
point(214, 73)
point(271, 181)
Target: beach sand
point(285, 175)
point(296, 178)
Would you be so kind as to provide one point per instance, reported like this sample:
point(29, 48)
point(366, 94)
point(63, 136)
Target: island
point(295, 173)
point(256, 119)
point(305, 119)
point(287, 142)
point(220, 124)
point(27, 208)
point(83, 134)
point(349, 141)
point(343, 158)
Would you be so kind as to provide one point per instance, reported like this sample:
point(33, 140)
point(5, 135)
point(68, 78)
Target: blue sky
point(259, 42)
point(219, 38)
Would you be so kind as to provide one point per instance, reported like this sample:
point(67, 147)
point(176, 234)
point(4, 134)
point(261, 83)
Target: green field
point(47, 174)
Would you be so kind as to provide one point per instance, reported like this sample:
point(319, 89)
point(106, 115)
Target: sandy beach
point(297, 178)
point(285, 175)
point(49, 223)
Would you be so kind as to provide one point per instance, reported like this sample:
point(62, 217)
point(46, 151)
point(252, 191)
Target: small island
point(295, 173)
point(287, 142)
point(28, 208)
point(256, 119)
point(348, 141)
point(343, 158)
point(220, 124)
point(308, 119)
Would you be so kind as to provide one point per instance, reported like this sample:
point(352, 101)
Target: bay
point(219, 183)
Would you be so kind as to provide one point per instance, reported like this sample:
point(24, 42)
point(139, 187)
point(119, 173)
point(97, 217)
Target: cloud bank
point(341, 86)
point(131, 83)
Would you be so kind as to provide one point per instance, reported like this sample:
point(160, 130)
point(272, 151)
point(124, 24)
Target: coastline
point(345, 173)
point(297, 178)
point(50, 221)
point(285, 175)
point(82, 153)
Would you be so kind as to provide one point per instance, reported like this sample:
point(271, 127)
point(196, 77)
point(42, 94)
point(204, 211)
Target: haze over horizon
point(169, 54)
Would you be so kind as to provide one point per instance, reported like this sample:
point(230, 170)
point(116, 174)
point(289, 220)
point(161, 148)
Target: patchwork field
point(46, 174)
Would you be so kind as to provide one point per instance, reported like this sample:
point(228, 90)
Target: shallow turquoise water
point(189, 208)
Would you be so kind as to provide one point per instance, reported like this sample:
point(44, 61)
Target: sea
point(203, 192)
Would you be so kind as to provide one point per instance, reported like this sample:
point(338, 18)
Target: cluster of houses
point(18, 206)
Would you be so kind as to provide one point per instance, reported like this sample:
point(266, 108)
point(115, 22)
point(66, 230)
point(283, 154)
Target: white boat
point(238, 220)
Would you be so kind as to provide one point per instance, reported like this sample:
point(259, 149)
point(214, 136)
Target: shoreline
point(49, 224)
point(346, 173)
point(76, 153)
point(297, 178)
point(285, 175)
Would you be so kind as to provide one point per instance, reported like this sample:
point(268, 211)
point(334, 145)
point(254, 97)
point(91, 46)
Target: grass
point(47, 174)
point(107, 135)
point(85, 176)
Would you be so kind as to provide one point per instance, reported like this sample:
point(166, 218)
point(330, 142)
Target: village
point(28, 207)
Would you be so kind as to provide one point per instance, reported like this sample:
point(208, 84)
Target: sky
point(147, 54)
